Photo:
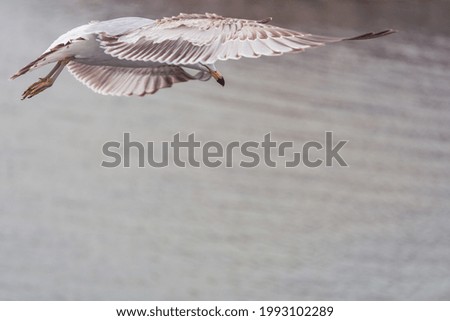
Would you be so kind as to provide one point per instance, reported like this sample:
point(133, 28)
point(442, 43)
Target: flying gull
point(138, 56)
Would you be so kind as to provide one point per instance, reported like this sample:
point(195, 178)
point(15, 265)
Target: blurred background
point(378, 230)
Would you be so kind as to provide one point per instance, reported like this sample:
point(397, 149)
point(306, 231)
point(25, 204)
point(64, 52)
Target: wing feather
point(195, 38)
point(123, 81)
point(191, 39)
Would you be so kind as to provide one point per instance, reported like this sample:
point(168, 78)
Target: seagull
point(138, 56)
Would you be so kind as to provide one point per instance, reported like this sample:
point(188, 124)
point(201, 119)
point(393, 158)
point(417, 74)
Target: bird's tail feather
point(42, 60)
point(56, 53)
point(27, 68)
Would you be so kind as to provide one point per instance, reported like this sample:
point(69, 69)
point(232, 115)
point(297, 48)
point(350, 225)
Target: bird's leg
point(47, 81)
point(216, 75)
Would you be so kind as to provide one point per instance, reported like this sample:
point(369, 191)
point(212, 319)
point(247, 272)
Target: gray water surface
point(379, 229)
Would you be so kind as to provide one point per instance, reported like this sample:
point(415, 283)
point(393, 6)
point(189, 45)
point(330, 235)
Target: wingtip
point(386, 32)
point(372, 35)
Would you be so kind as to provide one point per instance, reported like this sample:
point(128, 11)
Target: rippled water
point(379, 229)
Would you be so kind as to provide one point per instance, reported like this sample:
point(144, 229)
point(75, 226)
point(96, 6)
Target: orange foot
point(37, 87)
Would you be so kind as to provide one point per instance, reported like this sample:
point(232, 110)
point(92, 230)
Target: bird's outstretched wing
point(122, 81)
point(205, 38)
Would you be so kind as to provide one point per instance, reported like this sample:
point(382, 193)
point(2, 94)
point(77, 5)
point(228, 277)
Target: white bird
point(138, 56)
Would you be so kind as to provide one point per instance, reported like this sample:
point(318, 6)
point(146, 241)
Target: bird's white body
point(89, 51)
point(112, 27)
point(138, 56)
